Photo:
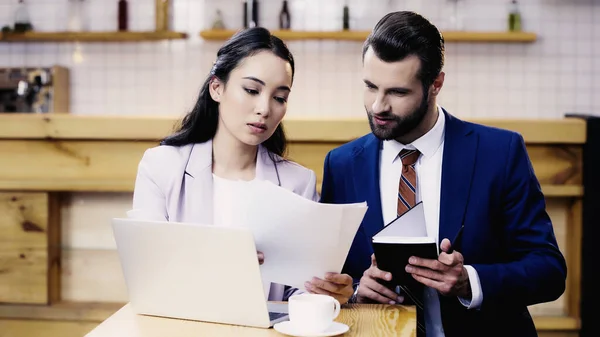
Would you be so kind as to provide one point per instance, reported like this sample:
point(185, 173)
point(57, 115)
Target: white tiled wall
point(559, 73)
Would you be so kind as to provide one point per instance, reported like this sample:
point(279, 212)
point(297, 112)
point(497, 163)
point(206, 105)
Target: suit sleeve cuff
point(476, 292)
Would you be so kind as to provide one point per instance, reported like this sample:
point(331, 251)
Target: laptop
point(195, 272)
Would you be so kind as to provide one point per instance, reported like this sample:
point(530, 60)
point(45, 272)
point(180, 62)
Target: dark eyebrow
point(369, 83)
point(254, 79)
point(282, 87)
point(398, 90)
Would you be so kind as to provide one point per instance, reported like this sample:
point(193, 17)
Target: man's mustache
point(382, 115)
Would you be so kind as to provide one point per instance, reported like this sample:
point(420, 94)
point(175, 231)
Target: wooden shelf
point(449, 36)
point(565, 191)
point(489, 37)
point(557, 323)
point(90, 36)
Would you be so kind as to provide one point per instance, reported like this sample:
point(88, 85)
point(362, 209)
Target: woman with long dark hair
point(233, 134)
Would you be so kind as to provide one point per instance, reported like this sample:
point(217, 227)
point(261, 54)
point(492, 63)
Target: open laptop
point(196, 272)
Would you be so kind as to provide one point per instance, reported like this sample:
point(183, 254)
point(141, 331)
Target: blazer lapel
point(366, 183)
point(197, 192)
point(460, 148)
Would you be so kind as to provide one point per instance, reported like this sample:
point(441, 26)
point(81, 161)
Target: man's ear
point(216, 88)
point(438, 83)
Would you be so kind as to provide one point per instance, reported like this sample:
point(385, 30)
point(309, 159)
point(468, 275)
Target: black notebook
point(404, 237)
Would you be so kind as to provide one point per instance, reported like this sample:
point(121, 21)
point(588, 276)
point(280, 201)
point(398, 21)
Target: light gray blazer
point(175, 184)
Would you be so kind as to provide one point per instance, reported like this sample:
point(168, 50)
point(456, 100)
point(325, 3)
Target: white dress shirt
point(429, 178)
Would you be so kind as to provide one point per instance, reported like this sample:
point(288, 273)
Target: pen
point(457, 240)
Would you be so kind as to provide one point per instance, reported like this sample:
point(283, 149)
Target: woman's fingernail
point(400, 299)
point(392, 302)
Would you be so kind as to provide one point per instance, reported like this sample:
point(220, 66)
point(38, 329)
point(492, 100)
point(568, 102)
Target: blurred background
point(526, 61)
point(545, 78)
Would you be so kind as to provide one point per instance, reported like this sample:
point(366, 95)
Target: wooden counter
point(100, 153)
point(45, 158)
point(363, 320)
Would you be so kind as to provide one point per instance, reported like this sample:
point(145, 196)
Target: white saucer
point(334, 329)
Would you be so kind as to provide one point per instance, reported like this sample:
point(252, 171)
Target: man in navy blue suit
point(467, 175)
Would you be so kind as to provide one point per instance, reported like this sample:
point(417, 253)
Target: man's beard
point(402, 125)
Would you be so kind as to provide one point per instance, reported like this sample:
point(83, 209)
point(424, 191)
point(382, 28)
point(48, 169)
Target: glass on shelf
point(218, 21)
point(22, 21)
point(77, 21)
point(455, 18)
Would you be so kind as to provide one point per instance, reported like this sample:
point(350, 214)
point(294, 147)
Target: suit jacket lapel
point(197, 192)
point(366, 183)
point(460, 148)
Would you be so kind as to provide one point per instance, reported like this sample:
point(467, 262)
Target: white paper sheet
point(300, 238)
point(410, 224)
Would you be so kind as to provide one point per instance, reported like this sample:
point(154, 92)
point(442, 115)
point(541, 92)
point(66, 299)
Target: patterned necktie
point(407, 199)
point(407, 188)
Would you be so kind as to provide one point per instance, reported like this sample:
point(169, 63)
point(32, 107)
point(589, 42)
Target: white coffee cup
point(312, 313)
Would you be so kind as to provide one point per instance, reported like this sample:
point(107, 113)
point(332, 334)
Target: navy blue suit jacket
point(488, 184)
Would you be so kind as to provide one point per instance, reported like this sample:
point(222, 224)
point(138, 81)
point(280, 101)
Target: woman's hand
point(336, 285)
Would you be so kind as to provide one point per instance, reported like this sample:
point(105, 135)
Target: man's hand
point(370, 289)
point(261, 257)
point(336, 285)
point(446, 274)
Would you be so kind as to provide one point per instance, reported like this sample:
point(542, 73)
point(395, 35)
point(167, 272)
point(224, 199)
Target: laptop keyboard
point(276, 315)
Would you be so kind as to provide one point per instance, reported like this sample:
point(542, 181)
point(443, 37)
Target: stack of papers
point(300, 238)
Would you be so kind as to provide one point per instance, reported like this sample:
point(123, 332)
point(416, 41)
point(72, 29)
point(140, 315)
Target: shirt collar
point(427, 144)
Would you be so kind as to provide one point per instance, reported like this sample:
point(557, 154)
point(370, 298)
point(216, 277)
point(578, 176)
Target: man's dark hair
point(401, 34)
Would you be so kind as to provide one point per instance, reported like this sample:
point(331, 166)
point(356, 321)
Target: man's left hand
point(336, 285)
point(447, 274)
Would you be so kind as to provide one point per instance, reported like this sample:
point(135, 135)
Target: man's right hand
point(370, 290)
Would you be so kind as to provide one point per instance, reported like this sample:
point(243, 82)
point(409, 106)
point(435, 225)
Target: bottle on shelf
point(514, 17)
point(122, 15)
point(22, 21)
point(245, 5)
point(163, 15)
point(284, 16)
point(254, 21)
point(346, 17)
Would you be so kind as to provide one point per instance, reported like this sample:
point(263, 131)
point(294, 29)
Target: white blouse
point(223, 192)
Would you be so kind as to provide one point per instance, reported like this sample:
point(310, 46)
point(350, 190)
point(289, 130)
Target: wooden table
point(363, 319)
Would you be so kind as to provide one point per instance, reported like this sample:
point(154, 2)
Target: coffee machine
point(34, 90)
